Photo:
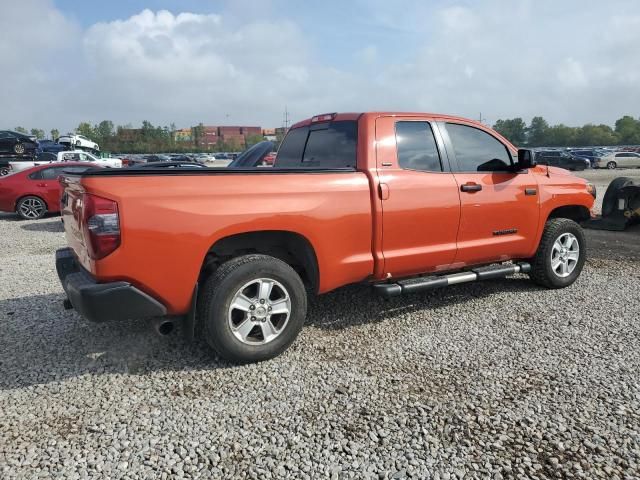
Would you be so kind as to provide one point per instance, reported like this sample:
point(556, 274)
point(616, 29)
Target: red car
point(33, 192)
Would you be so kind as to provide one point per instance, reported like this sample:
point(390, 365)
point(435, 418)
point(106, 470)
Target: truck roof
point(357, 115)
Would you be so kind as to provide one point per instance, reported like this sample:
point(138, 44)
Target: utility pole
point(285, 118)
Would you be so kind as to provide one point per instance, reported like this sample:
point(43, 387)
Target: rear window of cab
point(329, 145)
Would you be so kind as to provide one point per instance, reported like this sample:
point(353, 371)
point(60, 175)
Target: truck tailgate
point(71, 212)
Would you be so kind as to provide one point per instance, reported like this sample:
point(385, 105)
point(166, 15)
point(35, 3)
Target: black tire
point(610, 199)
point(542, 271)
point(19, 149)
point(4, 171)
point(218, 292)
point(612, 165)
point(31, 208)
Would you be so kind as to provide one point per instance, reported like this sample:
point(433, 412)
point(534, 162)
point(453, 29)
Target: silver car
point(619, 160)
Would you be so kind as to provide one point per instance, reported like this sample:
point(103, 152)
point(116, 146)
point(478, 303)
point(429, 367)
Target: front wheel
point(611, 165)
point(252, 308)
point(4, 171)
point(561, 254)
point(19, 149)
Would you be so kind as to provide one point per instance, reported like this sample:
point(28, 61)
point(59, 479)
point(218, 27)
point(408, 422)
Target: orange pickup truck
point(404, 201)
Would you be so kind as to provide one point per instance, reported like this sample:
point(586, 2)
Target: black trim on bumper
point(102, 302)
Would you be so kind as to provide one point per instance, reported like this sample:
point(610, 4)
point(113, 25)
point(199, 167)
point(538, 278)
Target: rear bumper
point(102, 302)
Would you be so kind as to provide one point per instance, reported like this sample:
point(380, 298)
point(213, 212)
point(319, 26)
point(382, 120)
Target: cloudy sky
point(242, 61)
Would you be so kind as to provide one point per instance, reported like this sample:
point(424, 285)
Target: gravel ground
point(492, 380)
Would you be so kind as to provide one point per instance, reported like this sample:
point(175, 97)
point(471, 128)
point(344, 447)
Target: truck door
point(500, 207)
point(420, 198)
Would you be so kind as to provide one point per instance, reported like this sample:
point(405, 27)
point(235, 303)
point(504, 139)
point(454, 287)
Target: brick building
point(233, 136)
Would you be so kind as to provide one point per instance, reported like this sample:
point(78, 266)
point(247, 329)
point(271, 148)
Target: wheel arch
point(577, 213)
point(290, 247)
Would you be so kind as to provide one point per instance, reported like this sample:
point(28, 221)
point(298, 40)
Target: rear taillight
point(101, 225)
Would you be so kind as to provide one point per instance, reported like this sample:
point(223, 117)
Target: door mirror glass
point(525, 159)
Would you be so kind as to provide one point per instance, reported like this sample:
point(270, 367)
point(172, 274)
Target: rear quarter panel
point(169, 223)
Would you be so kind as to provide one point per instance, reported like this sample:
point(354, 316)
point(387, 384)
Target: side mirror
point(525, 159)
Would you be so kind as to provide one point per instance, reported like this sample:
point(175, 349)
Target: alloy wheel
point(259, 311)
point(565, 255)
point(32, 208)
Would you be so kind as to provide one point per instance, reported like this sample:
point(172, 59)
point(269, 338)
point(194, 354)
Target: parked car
point(176, 157)
point(15, 143)
point(591, 154)
point(255, 156)
point(19, 164)
point(156, 158)
point(49, 146)
point(36, 191)
point(557, 158)
point(79, 142)
point(619, 160)
point(171, 164)
point(5, 167)
point(81, 156)
point(406, 202)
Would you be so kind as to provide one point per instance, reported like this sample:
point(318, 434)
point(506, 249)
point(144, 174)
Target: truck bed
point(170, 219)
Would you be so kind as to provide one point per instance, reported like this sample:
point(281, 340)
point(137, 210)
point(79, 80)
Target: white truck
point(81, 156)
point(66, 156)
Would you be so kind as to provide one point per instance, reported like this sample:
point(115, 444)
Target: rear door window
point(476, 150)
point(330, 145)
point(417, 148)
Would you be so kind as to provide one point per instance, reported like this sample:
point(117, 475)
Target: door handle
point(383, 191)
point(471, 187)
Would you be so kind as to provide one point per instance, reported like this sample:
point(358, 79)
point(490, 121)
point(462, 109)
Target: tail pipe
point(163, 326)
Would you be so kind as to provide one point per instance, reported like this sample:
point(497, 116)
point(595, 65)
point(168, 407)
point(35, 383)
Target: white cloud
point(36, 40)
point(521, 58)
point(571, 74)
point(368, 54)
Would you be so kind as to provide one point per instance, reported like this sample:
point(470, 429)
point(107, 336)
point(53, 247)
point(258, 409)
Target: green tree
point(20, 130)
point(104, 130)
point(251, 140)
point(514, 130)
point(537, 132)
point(595, 135)
point(560, 136)
point(37, 132)
point(628, 130)
point(55, 133)
point(197, 134)
point(85, 129)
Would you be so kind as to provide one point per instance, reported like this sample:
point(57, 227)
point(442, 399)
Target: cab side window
point(417, 149)
point(476, 150)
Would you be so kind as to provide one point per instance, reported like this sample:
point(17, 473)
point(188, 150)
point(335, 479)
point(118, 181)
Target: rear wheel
point(252, 308)
point(612, 165)
point(18, 148)
point(561, 254)
point(31, 208)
